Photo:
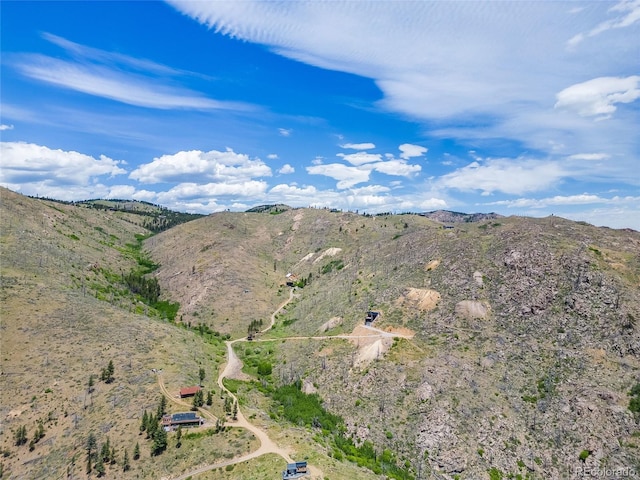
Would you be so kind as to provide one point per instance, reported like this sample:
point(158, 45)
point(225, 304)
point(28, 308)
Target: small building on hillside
point(370, 317)
point(189, 391)
point(295, 470)
point(183, 419)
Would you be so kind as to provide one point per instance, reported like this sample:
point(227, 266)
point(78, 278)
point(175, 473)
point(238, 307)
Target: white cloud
point(285, 132)
point(580, 199)
point(214, 165)
point(408, 150)
point(358, 146)
point(194, 191)
point(347, 176)
point(28, 164)
point(360, 158)
point(286, 169)
point(272, 156)
point(590, 156)
point(505, 175)
point(4, 127)
point(397, 167)
point(599, 95)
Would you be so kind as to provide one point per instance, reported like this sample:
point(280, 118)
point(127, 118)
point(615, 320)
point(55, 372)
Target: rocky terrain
point(513, 342)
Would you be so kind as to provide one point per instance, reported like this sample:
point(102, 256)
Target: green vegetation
point(107, 373)
point(634, 401)
point(584, 454)
point(157, 219)
point(332, 265)
point(303, 409)
point(495, 474)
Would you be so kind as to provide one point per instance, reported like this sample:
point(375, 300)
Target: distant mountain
point(447, 216)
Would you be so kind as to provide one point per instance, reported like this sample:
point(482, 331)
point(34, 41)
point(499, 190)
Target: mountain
point(503, 347)
point(446, 216)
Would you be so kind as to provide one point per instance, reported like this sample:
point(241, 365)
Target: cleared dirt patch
point(423, 299)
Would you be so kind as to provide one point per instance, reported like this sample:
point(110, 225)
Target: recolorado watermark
point(607, 472)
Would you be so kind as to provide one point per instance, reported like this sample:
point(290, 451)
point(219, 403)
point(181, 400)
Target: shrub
point(584, 454)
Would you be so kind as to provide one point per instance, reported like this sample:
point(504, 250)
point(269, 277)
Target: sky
point(514, 107)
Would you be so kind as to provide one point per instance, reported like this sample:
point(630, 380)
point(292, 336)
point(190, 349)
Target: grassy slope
point(561, 294)
point(63, 318)
point(538, 381)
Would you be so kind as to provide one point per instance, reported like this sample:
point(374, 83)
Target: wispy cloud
point(116, 77)
point(626, 14)
point(285, 132)
point(4, 127)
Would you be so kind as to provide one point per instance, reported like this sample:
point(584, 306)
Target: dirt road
point(233, 368)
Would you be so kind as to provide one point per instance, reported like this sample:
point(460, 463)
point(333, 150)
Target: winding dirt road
point(233, 368)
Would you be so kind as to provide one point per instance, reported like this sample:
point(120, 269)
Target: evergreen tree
point(201, 374)
point(159, 441)
point(145, 422)
point(209, 398)
point(20, 436)
point(100, 470)
point(105, 451)
point(198, 400)
point(92, 445)
point(90, 384)
point(136, 451)
point(107, 373)
point(39, 433)
point(162, 407)
point(126, 464)
point(152, 426)
point(235, 410)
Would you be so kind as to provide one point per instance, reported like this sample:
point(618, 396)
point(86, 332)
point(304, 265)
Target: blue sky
point(522, 108)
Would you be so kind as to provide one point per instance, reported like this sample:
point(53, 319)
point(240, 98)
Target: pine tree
point(159, 441)
point(235, 410)
point(20, 436)
point(209, 398)
point(201, 374)
point(136, 451)
point(198, 400)
point(99, 467)
point(145, 422)
point(162, 407)
point(105, 450)
point(39, 433)
point(152, 426)
point(92, 445)
point(126, 464)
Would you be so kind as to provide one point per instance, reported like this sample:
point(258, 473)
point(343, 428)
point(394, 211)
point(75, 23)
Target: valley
point(501, 348)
